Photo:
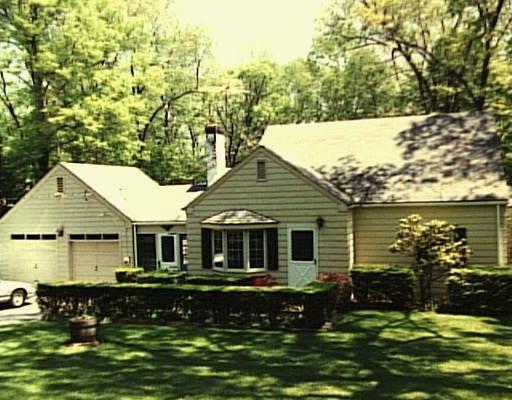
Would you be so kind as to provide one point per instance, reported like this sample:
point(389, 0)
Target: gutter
point(431, 203)
point(499, 236)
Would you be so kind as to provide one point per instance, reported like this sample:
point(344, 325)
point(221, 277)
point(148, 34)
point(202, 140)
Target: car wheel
point(18, 298)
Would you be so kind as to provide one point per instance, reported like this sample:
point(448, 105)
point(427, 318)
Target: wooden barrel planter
point(83, 329)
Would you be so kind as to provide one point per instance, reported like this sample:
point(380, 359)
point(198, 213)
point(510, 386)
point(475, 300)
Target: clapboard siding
point(40, 211)
point(375, 229)
point(285, 197)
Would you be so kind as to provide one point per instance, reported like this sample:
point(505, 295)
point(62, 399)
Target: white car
point(15, 292)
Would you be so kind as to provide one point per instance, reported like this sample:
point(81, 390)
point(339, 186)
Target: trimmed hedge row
point(137, 275)
point(479, 290)
point(383, 286)
point(309, 307)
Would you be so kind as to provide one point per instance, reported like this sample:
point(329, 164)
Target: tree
point(97, 81)
point(433, 247)
point(447, 46)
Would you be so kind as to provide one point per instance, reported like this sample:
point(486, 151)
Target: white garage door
point(33, 260)
point(95, 261)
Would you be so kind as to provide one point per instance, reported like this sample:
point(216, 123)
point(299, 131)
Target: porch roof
point(238, 217)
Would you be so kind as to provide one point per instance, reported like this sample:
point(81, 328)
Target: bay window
point(239, 250)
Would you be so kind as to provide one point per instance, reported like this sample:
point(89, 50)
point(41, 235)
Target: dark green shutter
point(206, 246)
point(272, 249)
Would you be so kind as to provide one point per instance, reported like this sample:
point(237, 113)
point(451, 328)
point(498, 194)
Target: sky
point(244, 29)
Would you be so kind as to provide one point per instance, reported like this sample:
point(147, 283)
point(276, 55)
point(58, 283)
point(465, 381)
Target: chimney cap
point(213, 128)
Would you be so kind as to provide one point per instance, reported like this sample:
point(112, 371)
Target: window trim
point(246, 249)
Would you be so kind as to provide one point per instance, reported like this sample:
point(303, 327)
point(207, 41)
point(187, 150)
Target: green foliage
point(380, 285)
point(127, 274)
point(482, 290)
point(161, 277)
point(308, 307)
point(433, 248)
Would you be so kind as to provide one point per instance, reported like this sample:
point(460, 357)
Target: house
point(320, 197)
point(82, 221)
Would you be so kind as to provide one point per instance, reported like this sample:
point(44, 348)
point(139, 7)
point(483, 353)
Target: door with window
point(302, 255)
point(168, 251)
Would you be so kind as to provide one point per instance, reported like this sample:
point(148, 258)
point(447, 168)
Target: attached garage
point(94, 260)
point(34, 258)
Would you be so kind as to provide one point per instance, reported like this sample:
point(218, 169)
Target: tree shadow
point(369, 354)
point(443, 157)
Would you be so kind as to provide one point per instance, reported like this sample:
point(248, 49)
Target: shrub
point(127, 274)
point(265, 280)
point(388, 286)
point(344, 283)
point(434, 250)
point(163, 277)
point(307, 307)
point(220, 280)
point(480, 290)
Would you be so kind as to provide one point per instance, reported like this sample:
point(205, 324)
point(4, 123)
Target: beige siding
point(42, 212)
point(375, 230)
point(285, 197)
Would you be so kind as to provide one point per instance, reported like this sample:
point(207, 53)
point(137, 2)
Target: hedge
point(128, 274)
point(277, 307)
point(484, 290)
point(383, 286)
point(137, 275)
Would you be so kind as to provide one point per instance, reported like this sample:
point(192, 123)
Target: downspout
point(134, 241)
point(499, 235)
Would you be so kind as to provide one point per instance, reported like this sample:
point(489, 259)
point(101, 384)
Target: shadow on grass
point(369, 355)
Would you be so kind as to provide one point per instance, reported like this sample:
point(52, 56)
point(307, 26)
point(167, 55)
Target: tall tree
point(447, 47)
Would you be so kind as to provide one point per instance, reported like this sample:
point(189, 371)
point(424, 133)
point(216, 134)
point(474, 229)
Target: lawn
point(369, 355)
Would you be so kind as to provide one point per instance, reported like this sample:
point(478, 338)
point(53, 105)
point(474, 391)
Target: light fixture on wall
point(167, 227)
point(60, 231)
point(320, 222)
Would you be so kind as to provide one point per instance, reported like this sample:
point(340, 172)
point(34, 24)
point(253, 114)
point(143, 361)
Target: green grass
point(369, 355)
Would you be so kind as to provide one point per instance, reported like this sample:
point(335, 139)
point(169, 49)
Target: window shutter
point(206, 246)
point(272, 249)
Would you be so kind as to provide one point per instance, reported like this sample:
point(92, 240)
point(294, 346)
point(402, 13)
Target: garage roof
point(134, 193)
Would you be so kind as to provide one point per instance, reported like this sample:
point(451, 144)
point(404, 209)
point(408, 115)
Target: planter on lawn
point(83, 329)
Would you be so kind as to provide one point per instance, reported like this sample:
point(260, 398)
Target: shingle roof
point(134, 193)
point(238, 217)
point(441, 157)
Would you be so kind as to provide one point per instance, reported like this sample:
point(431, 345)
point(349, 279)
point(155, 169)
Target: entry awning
point(238, 217)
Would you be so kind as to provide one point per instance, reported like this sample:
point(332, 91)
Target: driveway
point(28, 312)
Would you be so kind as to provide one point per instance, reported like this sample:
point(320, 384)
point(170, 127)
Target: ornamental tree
point(434, 247)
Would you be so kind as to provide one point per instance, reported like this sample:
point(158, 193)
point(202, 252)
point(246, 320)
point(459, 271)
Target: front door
point(168, 254)
point(302, 255)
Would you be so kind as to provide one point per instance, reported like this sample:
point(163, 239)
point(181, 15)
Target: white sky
point(242, 29)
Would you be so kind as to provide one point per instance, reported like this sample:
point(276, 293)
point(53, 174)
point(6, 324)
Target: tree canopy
point(125, 82)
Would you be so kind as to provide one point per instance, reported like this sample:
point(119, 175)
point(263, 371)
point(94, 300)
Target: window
point(460, 234)
point(168, 249)
point(94, 236)
point(239, 250)
point(235, 249)
point(302, 244)
point(34, 236)
point(60, 184)
point(261, 170)
point(218, 249)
